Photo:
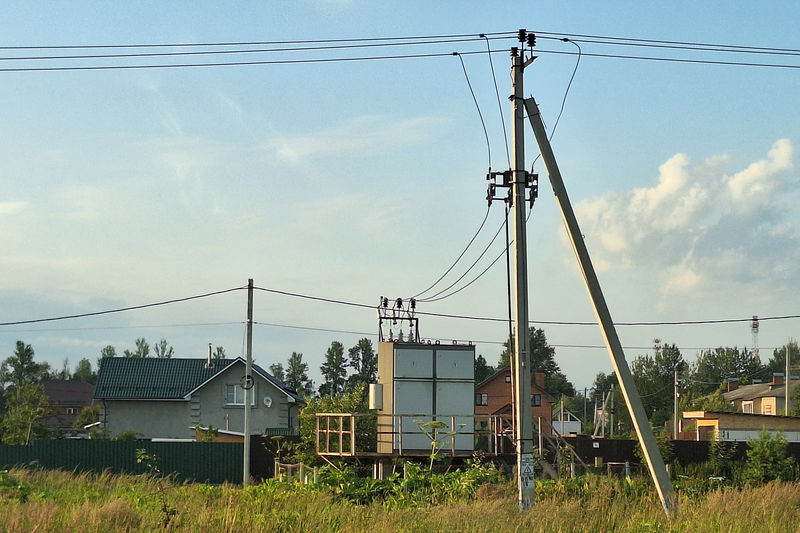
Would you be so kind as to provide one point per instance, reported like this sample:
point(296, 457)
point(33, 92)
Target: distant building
point(760, 398)
point(66, 399)
point(741, 426)
point(493, 397)
point(168, 398)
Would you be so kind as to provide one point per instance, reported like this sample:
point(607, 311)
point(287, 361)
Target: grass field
point(40, 500)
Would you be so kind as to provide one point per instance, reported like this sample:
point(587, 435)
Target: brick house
point(493, 397)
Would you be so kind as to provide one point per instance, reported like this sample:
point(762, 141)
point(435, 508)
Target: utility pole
point(675, 410)
point(652, 455)
point(611, 413)
point(786, 380)
point(520, 366)
point(248, 383)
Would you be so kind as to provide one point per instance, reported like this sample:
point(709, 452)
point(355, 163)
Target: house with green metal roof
point(166, 398)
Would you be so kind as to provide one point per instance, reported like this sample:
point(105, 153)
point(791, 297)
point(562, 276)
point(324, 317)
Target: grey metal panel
point(413, 362)
point(454, 363)
point(412, 398)
point(456, 398)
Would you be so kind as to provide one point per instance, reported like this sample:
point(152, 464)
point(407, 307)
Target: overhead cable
point(121, 309)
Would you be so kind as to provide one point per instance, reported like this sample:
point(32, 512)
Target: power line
point(256, 43)
point(240, 50)
point(674, 59)
point(433, 297)
point(480, 115)
point(122, 309)
point(237, 63)
point(499, 106)
point(623, 40)
point(483, 222)
point(372, 307)
point(141, 326)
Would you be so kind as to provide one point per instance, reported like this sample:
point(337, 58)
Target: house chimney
point(538, 378)
point(777, 378)
point(733, 384)
point(208, 360)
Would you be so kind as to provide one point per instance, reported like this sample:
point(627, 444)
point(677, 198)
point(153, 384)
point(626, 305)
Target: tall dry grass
point(59, 501)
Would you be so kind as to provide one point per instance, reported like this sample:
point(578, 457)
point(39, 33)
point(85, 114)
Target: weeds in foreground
point(62, 501)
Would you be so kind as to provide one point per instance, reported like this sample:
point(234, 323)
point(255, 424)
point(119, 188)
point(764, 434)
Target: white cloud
point(755, 184)
point(699, 229)
point(9, 208)
point(366, 135)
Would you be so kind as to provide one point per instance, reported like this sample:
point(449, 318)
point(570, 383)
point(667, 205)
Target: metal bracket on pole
point(655, 462)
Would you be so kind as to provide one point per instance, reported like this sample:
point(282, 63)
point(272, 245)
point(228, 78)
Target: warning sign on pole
point(526, 470)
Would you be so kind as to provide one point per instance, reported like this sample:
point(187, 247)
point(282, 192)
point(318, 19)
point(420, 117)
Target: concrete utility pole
point(248, 383)
point(675, 410)
point(786, 380)
point(652, 455)
point(520, 363)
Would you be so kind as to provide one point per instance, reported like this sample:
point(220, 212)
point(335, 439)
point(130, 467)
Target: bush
point(766, 459)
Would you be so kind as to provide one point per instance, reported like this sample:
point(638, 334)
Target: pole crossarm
point(655, 462)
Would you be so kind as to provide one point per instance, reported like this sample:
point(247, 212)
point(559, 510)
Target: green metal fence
point(208, 462)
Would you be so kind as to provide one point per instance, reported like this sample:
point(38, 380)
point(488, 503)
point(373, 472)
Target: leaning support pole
point(655, 463)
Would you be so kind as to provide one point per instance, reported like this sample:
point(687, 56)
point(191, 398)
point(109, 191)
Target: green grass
point(41, 500)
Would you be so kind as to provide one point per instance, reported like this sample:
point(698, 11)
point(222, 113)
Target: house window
point(72, 411)
point(747, 407)
point(234, 395)
point(508, 379)
point(481, 398)
point(536, 400)
point(767, 409)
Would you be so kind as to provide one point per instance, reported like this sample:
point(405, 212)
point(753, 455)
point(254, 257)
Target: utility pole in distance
point(520, 363)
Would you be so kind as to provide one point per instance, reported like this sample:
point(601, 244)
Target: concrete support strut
point(655, 462)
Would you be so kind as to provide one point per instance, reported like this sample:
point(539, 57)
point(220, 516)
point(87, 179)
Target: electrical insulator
point(531, 40)
point(522, 35)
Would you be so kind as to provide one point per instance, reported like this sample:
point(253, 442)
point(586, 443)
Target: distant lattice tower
point(754, 331)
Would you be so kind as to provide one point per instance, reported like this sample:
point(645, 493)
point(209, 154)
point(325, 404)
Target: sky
point(351, 180)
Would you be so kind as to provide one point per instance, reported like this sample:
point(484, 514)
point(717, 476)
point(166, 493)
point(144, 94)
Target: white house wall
point(743, 435)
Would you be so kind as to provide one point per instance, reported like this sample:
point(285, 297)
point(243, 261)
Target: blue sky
point(352, 180)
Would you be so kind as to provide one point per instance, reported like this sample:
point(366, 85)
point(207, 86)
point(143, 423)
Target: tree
point(297, 375)
point(777, 362)
point(20, 369)
point(716, 366)
point(88, 415)
point(543, 357)
point(64, 373)
point(219, 353)
point(714, 402)
point(654, 377)
point(277, 371)
point(364, 362)
point(108, 351)
point(482, 369)
point(347, 402)
point(25, 408)
point(83, 372)
point(334, 370)
point(163, 349)
point(142, 349)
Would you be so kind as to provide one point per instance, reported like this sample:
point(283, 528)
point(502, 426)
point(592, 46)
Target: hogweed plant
point(433, 429)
